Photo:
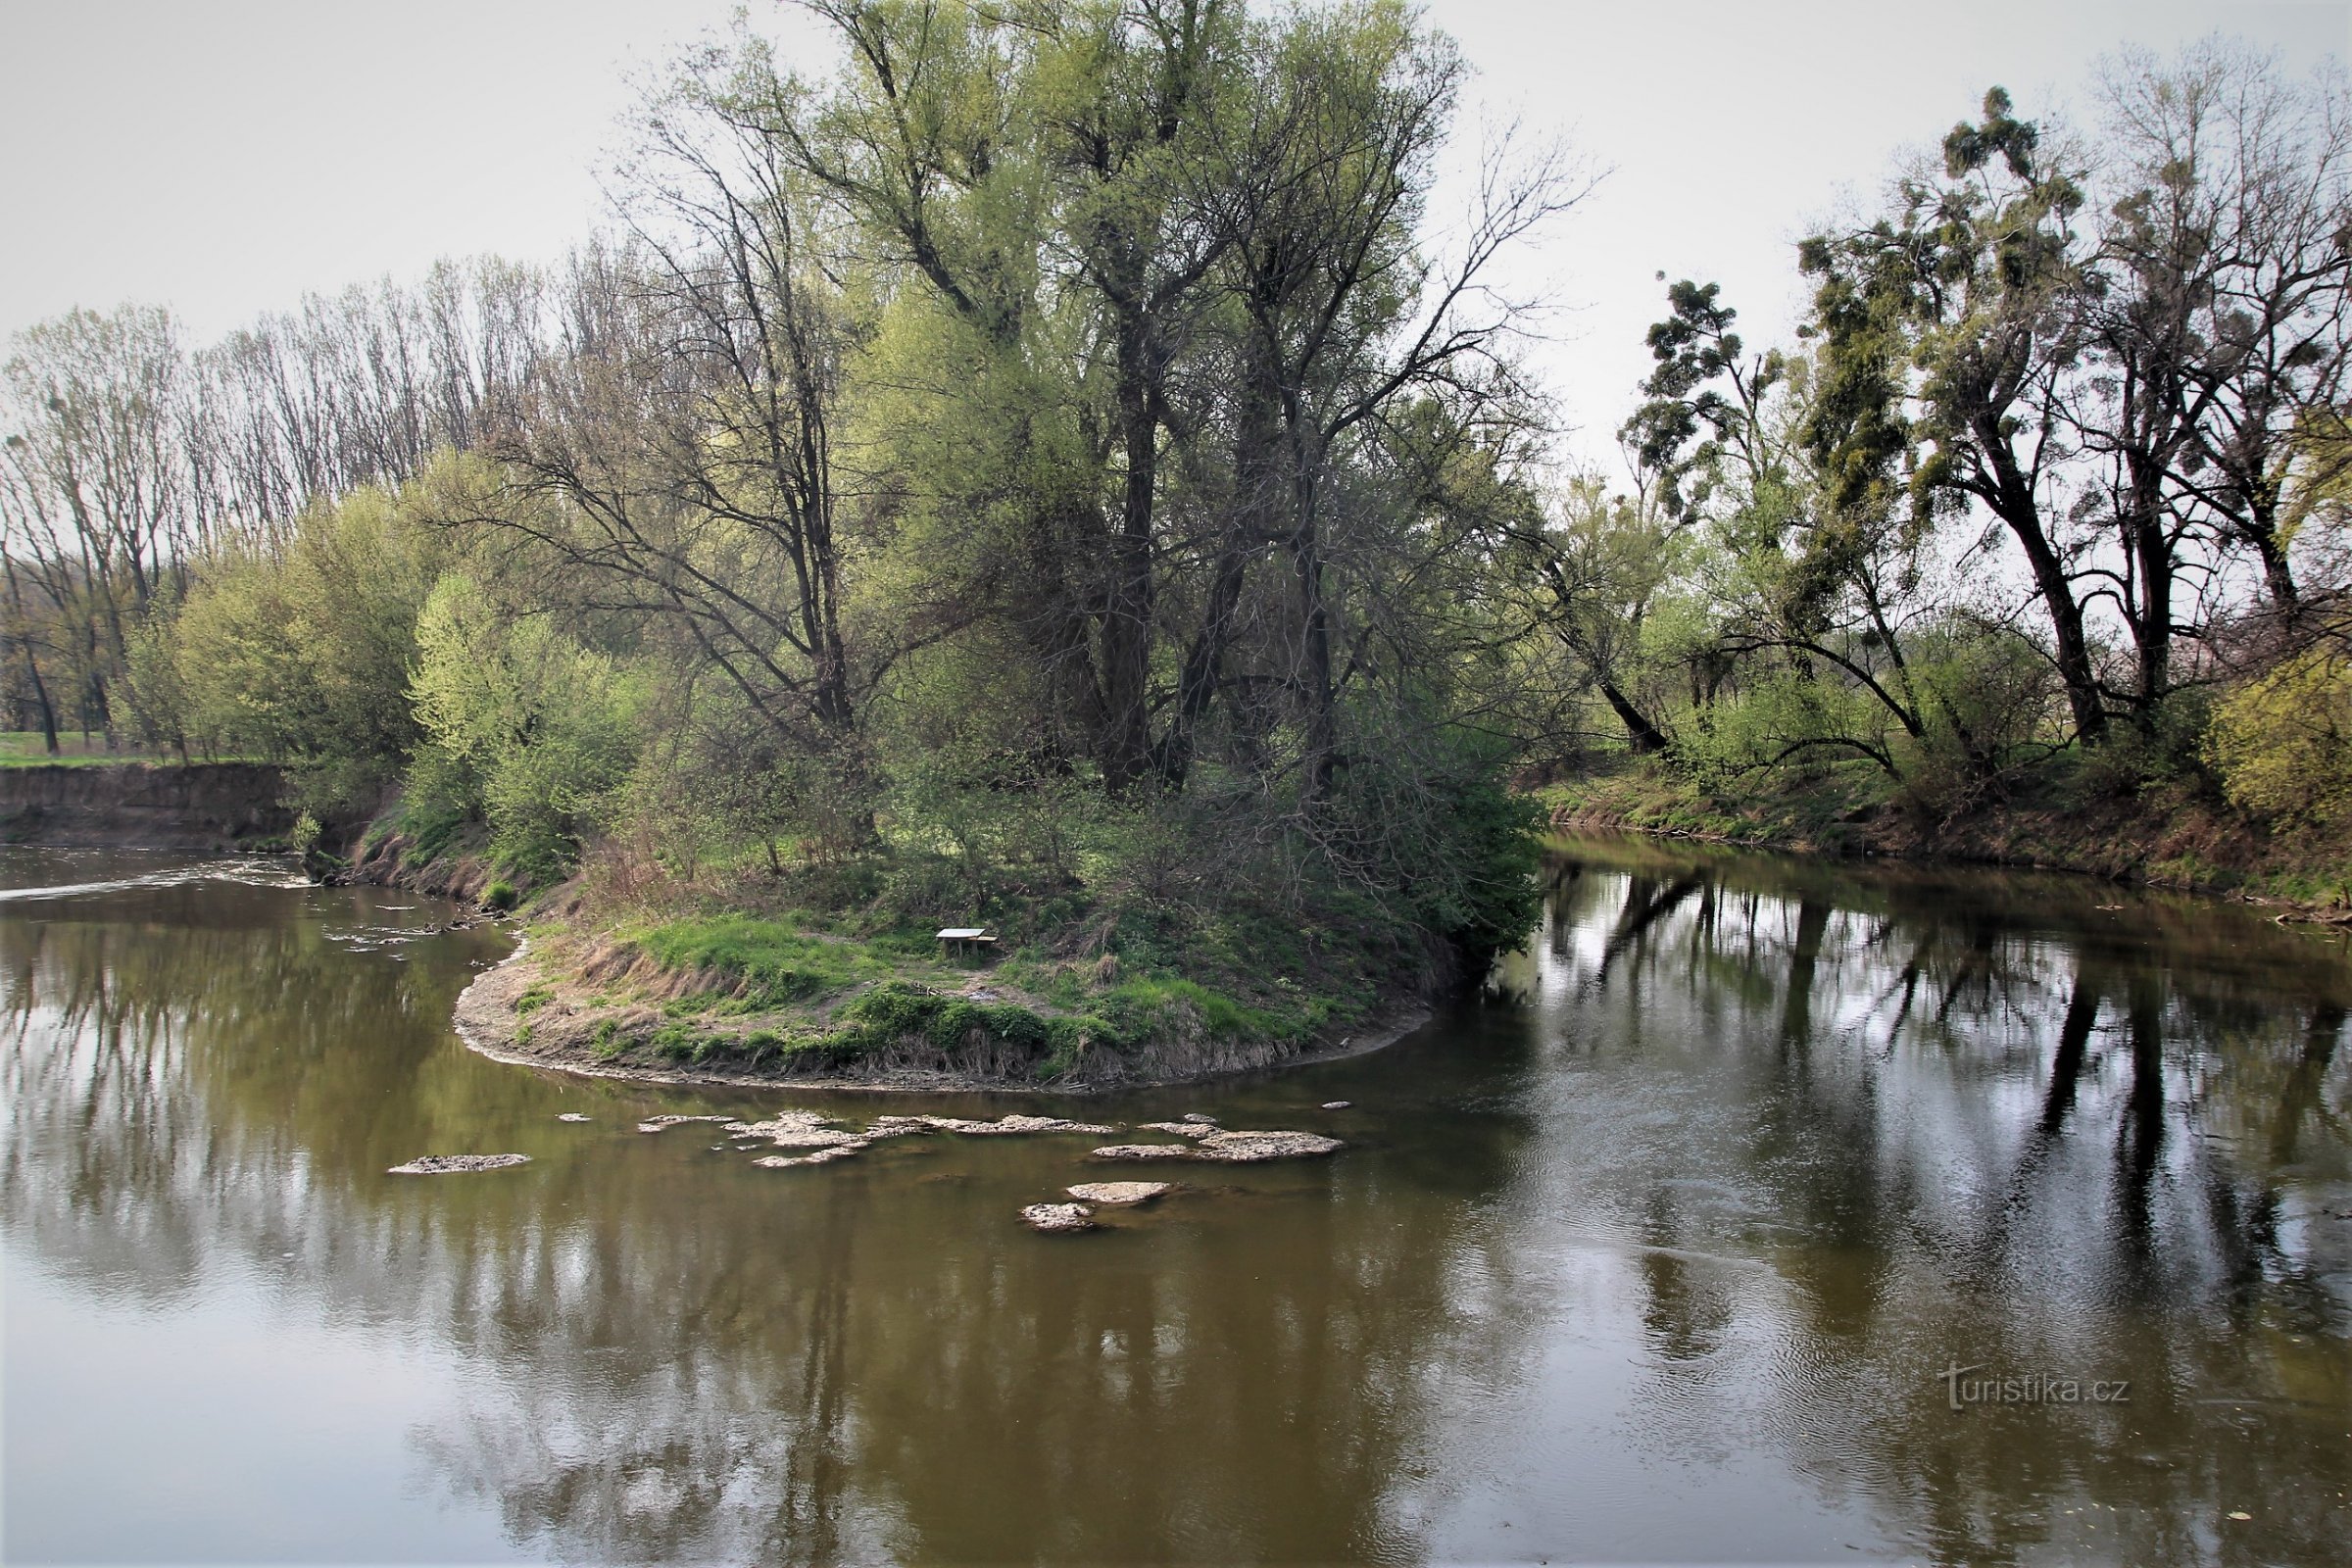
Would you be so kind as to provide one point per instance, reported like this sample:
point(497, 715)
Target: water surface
point(1656, 1252)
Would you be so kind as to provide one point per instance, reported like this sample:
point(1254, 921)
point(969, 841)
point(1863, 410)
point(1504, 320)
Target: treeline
point(2055, 475)
point(1050, 450)
point(1056, 456)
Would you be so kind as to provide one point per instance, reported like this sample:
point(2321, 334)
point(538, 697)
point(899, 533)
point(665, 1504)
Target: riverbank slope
point(2170, 833)
point(201, 806)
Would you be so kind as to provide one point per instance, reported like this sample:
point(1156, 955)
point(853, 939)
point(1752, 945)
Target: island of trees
point(1060, 471)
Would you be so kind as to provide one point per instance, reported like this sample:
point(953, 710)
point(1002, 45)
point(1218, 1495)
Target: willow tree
point(674, 468)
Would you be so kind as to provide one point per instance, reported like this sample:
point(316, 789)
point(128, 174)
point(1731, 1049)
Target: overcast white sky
point(224, 158)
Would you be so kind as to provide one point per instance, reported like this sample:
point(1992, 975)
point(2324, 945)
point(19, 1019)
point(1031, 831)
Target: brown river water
point(1759, 1211)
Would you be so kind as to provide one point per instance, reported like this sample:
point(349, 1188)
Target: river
point(1760, 1210)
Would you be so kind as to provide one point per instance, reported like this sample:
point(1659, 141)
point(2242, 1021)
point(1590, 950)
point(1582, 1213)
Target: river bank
point(201, 806)
point(2168, 834)
point(604, 1019)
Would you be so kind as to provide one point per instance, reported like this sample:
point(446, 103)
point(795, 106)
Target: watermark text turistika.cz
point(1962, 1387)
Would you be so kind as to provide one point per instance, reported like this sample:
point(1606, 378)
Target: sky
point(224, 158)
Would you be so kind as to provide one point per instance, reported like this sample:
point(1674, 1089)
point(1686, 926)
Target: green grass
point(771, 964)
point(845, 985)
point(431, 832)
point(25, 747)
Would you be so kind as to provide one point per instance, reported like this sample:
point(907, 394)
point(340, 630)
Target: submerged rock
point(1196, 1116)
point(1336, 1104)
point(573, 1115)
point(798, 1129)
point(1118, 1193)
point(1181, 1129)
point(822, 1157)
point(450, 1165)
point(654, 1124)
point(1145, 1151)
point(1230, 1146)
point(1059, 1217)
point(1013, 1125)
point(1251, 1146)
point(897, 1126)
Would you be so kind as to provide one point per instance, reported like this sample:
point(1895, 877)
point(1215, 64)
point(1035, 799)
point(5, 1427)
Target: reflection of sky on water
point(1654, 1254)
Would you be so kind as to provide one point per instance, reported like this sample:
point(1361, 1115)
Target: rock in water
point(821, 1158)
point(1336, 1104)
point(1181, 1129)
point(1230, 1146)
point(1013, 1125)
point(1059, 1217)
point(1147, 1152)
point(573, 1115)
point(1194, 1115)
point(1249, 1148)
point(797, 1129)
point(1117, 1192)
point(450, 1165)
point(654, 1124)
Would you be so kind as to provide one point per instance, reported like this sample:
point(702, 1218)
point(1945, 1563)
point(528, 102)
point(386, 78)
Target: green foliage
point(2284, 741)
point(521, 722)
point(500, 896)
point(302, 656)
point(1453, 850)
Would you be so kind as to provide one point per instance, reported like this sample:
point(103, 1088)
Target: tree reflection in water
point(1990, 1119)
point(1657, 1250)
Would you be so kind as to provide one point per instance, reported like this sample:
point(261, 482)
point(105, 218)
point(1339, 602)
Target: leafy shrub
point(2284, 742)
point(521, 722)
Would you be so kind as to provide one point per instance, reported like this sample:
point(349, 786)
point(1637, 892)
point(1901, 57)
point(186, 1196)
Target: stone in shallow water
point(897, 1126)
point(654, 1124)
point(1243, 1147)
point(450, 1165)
point(1336, 1104)
point(1230, 1146)
point(1196, 1116)
point(573, 1115)
point(1181, 1129)
point(1059, 1217)
point(1117, 1192)
point(822, 1156)
point(1014, 1125)
point(797, 1129)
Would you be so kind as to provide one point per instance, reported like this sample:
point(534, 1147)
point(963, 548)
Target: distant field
point(24, 747)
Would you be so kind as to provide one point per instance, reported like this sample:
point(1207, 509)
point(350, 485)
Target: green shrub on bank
point(2284, 742)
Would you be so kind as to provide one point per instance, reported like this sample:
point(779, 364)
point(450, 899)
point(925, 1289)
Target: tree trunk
point(2013, 501)
point(1645, 738)
point(1127, 613)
